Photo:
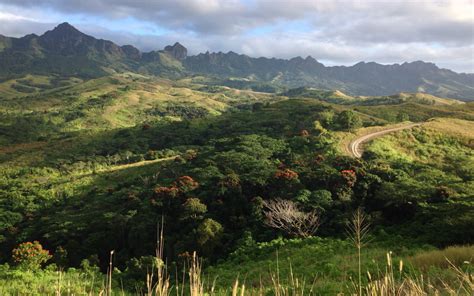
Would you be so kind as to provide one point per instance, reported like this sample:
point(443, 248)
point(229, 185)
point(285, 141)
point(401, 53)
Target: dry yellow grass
point(455, 127)
point(457, 255)
point(459, 128)
point(427, 97)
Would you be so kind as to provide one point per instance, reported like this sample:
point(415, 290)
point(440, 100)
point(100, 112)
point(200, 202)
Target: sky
point(335, 32)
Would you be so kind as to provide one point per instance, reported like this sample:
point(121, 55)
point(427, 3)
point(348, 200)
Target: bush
point(30, 255)
point(348, 120)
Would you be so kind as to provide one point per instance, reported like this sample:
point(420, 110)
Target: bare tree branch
point(285, 215)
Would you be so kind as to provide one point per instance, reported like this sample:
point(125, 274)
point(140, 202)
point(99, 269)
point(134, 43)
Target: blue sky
point(335, 32)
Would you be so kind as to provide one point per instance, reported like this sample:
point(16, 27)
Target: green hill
point(100, 144)
point(338, 97)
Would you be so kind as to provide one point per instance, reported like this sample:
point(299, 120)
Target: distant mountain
point(369, 79)
point(177, 51)
point(67, 51)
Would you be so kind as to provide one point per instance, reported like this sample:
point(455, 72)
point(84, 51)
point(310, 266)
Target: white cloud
point(6, 16)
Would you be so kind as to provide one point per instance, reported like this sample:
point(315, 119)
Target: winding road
point(355, 145)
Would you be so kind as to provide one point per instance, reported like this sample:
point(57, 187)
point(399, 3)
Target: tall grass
point(358, 229)
point(454, 255)
point(393, 283)
point(392, 280)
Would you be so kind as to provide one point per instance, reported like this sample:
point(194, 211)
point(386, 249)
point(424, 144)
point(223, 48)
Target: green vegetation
point(250, 181)
point(88, 166)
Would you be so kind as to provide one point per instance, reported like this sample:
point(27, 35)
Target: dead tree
point(285, 215)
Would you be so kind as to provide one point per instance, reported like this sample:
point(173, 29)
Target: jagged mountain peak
point(65, 26)
point(30, 36)
point(63, 29)
point(420, 65)
point(66, 50)
point(178, 51)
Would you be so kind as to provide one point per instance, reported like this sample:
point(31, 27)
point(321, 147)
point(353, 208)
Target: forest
point(99, 166)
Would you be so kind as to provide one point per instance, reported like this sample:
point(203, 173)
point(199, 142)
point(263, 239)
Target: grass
point(325, 265)
point(68, 165)
point(463, 129)
point(105, 103)
point(457, 255)
point(419, 112)
point(50, 282)
point(282, 276)
point(298, 267)
point(344, 138)
point(437, 141)
point(427, 99)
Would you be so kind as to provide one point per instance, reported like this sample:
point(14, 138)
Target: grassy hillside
point(93, 165)
point(118, 101)
point(313, 266)
point(338, 97)
point(324, 266)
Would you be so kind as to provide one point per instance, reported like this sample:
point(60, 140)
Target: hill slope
point(66, 51)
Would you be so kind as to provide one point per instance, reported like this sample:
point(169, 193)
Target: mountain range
point(66, 51)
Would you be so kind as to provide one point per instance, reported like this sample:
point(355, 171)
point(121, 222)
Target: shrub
point(318, 127)
point(441, 194)
point(30, 255)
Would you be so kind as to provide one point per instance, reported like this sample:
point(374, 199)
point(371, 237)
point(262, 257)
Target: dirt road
point(355, 145)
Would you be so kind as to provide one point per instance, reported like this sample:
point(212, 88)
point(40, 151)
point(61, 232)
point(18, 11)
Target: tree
point(186, 184)
point(60, 257)
point(327, 118)
point(193, 208)
point(209, 234)
point(318, 128)
point(285, 215)
point(286, 174)
point(320, 199)
point(30, 255)
point(349, 177)
point(348, 120)
point(402, 116)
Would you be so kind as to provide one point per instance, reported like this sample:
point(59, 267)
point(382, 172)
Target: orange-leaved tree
point(30, 255)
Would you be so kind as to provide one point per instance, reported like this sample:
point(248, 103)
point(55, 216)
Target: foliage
point(30, 255)
point(348, 120)
point(89, 167)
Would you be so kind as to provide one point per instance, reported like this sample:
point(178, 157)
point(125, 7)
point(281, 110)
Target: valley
point(115, 163)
